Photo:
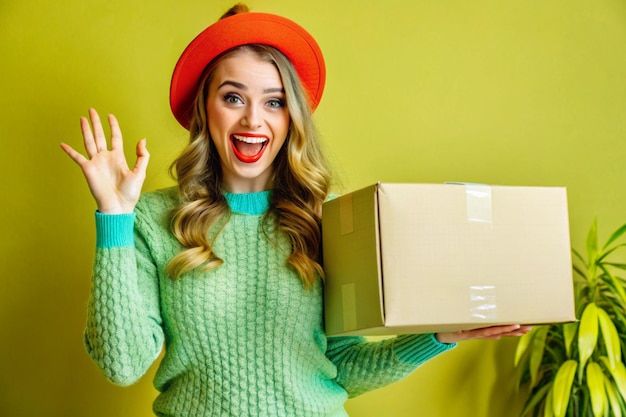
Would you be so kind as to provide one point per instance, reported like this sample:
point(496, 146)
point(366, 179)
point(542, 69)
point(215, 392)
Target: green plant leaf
point(612, 397)
point(540, 395)
point(587, 335)
point(569, 332)
point(522, 345)
point(561, 390)
point(616, 265)
point(604, 254)
point(592, 249)
point(621, 320)
point(521, 375)
point(610, 336)
point(578, 256)
point(580, 273)
point(618, 286)
point(595, 383)
point(616, 235)
point(619, 376)
point(536, 353)
point(548, 409)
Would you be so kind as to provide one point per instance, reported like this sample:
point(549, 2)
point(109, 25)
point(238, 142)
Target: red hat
point(241, 29)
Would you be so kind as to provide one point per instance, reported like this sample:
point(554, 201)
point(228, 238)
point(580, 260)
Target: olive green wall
point(511, 92)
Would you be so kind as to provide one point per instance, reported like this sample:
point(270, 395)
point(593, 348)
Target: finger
point(516, 331)
point(116, 133)
point(88, 141)
point(521, 332)
point(143, 157)
point(506, 329)
point(496, 331)
point(76, 156)
point(510, 330)
point(98, 131)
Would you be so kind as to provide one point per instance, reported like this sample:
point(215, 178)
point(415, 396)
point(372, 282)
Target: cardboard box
point(416, 258)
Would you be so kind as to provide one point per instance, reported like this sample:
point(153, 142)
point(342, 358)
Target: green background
point(505, 92)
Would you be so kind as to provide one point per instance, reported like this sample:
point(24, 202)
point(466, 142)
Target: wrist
point(114, 211)
point(447, 338)
point(116, 208)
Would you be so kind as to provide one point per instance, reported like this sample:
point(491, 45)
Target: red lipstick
point(248, 147)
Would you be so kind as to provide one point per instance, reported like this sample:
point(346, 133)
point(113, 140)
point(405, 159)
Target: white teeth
point(248, 139)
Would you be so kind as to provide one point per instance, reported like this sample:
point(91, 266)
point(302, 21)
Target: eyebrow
point(244, 87)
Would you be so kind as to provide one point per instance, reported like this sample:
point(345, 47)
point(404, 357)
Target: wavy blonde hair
point(300, 181)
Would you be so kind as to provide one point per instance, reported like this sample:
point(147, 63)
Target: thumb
point(143, 157)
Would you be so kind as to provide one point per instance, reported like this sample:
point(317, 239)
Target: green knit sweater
point(245, 339)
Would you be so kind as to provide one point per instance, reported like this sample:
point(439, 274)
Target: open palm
point(115, 187)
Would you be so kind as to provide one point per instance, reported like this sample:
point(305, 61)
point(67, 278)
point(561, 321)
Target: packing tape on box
point(346, 216)
point(479, 207)
point(483, 304)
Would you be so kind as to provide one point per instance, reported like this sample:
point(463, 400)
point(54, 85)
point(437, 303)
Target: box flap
point(350, 234)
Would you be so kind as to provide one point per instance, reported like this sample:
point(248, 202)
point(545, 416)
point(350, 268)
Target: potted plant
point(578, 369)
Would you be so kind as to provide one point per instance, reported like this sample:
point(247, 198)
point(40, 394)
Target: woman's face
point(248, 120)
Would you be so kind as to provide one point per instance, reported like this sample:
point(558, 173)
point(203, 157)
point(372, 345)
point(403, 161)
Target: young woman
point(223, 269)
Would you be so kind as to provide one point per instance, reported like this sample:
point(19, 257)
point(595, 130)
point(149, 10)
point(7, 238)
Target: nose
point(251, 118)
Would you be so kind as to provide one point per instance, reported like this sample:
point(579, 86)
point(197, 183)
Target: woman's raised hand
point(115, 187)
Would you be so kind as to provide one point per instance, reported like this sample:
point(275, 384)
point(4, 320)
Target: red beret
point(241, 29)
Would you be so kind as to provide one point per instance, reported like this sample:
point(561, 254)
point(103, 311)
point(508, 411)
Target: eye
point(276, 103)
point(231, 98)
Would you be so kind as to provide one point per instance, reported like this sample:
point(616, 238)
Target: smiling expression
point(248, 120)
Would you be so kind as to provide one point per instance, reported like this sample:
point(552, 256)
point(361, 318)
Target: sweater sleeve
point(364, 366)
point(123, 335)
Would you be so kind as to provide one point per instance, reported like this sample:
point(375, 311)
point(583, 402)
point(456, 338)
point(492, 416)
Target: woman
point(224, 268)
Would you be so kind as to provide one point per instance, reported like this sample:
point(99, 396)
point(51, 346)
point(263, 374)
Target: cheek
point(284, 124)
point(218, 141)
point(216, 117)
point(217, 129)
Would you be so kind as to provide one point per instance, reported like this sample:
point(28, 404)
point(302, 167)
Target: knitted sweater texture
point(244, 339)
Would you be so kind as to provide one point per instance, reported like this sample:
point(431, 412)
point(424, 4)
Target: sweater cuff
point(418, 348)
point(115, 230)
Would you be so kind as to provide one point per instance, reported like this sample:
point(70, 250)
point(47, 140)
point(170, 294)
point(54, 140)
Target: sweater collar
point(249, 203)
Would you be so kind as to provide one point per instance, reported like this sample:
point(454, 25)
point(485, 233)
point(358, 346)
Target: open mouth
point(248, 148)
